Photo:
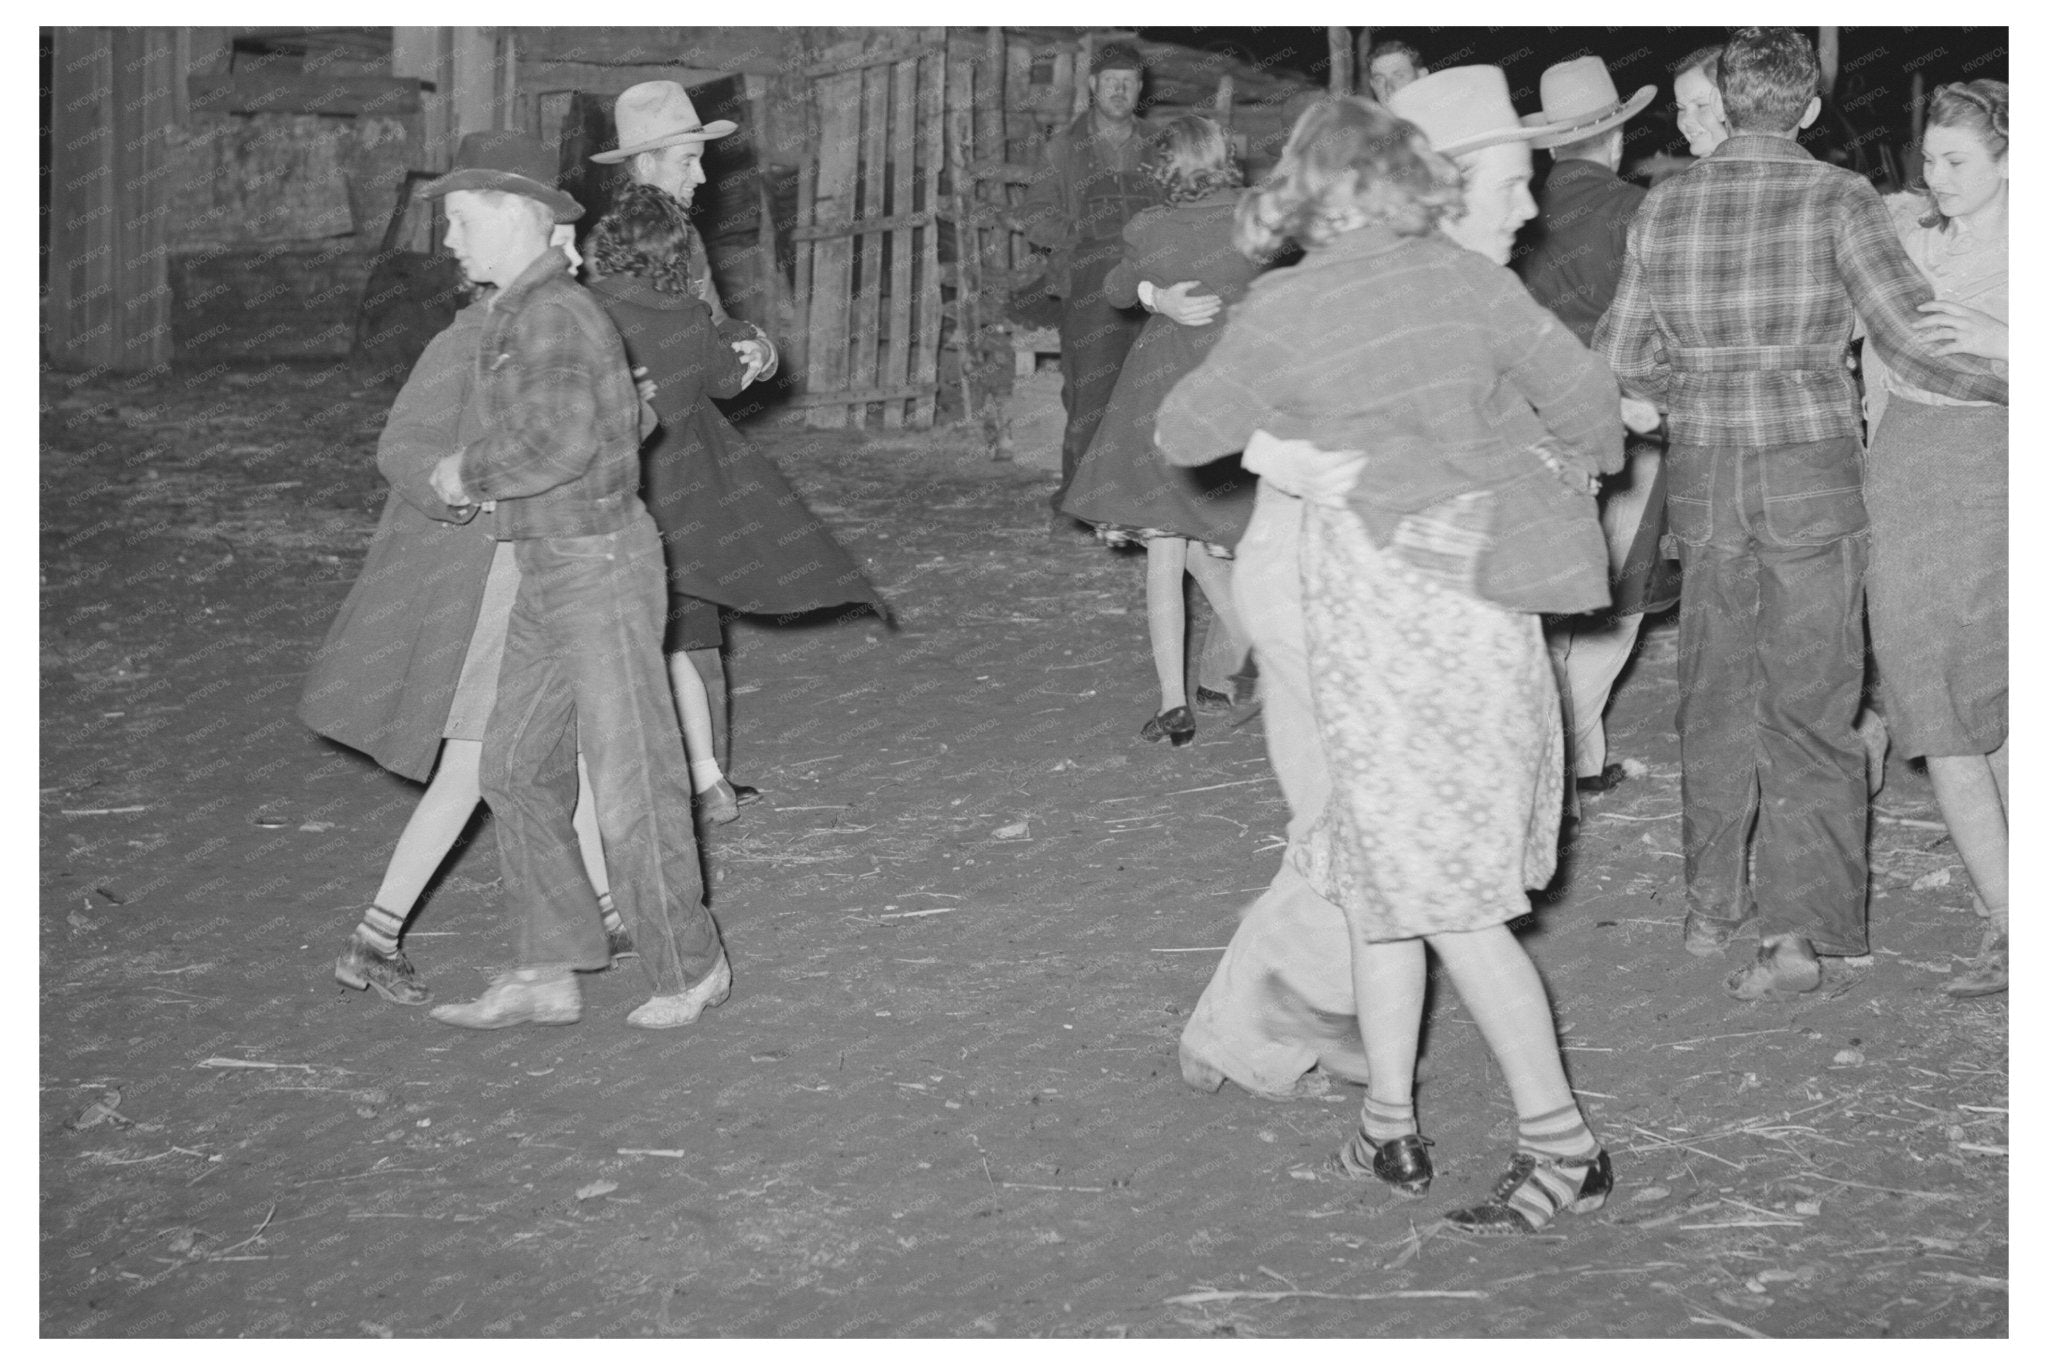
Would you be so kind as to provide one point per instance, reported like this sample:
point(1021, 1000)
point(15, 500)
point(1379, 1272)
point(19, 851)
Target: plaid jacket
point(561, 445)
point(1741, 289)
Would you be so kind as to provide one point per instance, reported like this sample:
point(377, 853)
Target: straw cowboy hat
point(1580, 94)
point(1463, 108)
point(507, 161)
point(657, 114)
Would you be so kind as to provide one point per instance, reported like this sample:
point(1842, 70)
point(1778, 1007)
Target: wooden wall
point(112, 106)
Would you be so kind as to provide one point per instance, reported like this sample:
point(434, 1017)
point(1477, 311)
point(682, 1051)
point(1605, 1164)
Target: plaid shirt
point(561, 446)
point(1741, 289)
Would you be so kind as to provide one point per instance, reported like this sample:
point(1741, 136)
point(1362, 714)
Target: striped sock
point(1561, 1135)
point(1383, 1122)
point(380, 929)
point(610, 911)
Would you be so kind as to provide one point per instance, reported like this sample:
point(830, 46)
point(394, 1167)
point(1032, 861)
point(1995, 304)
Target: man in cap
point(661, 142)
point(1392, 66)
point(1571, 265)
point(1090, 182)
point(1743, 278)
point(559, 465)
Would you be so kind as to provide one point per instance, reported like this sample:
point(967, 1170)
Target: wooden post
point(507, 95)
point(112, 101)
point(779, 318)
point(1341, 72)
point(1084, 59)
point(474, 81)
point(966, 248)
point(1830, 52)
point(991, 121)
point(426, 54)
point(1361, 66)
point(1919, 113)
point(1226, 98)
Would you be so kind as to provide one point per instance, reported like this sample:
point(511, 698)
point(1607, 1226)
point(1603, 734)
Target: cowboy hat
point(1463, 108)
point(1581, 95)
point(657, 114)
point(507, 161)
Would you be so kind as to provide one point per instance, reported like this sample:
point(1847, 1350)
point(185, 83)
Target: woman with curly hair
point(1429, 493)
point(1122, 486)
point(1935, 488)
point(733, 530)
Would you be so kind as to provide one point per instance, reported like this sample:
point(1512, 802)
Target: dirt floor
point(966, 924)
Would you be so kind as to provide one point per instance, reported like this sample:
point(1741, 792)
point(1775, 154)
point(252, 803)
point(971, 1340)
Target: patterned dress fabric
point(1439, 716)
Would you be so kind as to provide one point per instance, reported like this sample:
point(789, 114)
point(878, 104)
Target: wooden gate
point(867, 235)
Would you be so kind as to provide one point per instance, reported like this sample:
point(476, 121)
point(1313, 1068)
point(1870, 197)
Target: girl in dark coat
point(1123, 486)
point(734, 531)
point(409, 670)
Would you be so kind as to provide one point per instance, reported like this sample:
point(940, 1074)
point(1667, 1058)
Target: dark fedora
point(507, 161)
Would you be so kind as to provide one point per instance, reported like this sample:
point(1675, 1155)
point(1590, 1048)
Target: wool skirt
point(1935, 489)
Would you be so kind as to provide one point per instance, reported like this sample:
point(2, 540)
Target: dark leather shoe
point(1401, 1163)
point(1537, 1189)
point(362, 967)
point(743, 795)
point(1209, 699)
point(1177, 725)
point(1611, 776)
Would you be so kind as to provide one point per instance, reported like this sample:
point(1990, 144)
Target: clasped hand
point(1185, 307)
point(1958, 329)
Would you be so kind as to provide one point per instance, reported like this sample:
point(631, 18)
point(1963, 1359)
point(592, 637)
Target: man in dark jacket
point(558, 466)
point(1572, 263)
point(661, 143)
point(1090, 182)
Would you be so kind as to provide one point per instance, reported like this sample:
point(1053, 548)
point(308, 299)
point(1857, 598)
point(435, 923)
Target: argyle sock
point(380, 929)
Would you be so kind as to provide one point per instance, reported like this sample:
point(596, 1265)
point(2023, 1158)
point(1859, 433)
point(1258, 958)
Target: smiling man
point(661, 144)
point(1089, 183)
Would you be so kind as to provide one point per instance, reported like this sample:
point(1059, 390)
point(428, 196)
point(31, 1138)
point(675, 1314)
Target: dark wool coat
point(385, 677)
point(1122, 480)
point(733, 529)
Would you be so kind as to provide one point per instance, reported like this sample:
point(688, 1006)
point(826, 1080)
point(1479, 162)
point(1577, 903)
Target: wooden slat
point(147, 74)
point(962, 90)
point(1008, 172)
point(851, 398)
point(881, 56)
point(930, 122)
point(894, 366)
point(874, 202)
point(725, 49)
point(278, 92)
point(1016, 137)
point(800, 283)
point(991, 81)
point(838, 101)
point(81, 192)
point(818, 232)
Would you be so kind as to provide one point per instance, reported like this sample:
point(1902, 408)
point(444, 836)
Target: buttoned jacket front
point(560, 454)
